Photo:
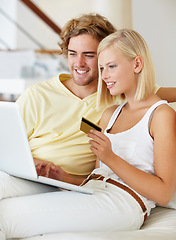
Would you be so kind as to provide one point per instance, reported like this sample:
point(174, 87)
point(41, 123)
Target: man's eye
point(89, 56)
point(101, 69)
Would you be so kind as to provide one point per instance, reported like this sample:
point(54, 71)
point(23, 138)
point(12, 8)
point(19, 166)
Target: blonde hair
point(131, 44)
point(94, 24)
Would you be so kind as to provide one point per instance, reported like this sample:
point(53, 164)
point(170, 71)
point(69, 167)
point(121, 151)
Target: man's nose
point(80, 61)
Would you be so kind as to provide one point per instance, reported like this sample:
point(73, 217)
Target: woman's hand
point(101, 146)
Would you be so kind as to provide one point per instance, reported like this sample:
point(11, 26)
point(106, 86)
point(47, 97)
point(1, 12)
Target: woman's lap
point(109, 209)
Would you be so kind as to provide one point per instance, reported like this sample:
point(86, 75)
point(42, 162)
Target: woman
point(138, 144)
point(136, 152)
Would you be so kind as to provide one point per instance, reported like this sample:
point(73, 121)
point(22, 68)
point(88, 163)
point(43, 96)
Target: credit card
point(87, 125)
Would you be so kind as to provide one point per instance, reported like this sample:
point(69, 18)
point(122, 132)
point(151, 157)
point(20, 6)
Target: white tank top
point(134, 146)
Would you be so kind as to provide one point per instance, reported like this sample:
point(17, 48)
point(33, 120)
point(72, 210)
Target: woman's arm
point(159, 187)
point(168, 94)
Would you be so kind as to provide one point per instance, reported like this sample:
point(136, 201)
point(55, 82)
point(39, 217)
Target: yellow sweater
point(52, 116)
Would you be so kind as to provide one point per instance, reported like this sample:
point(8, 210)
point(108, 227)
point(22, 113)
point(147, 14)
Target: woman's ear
point(138, 64)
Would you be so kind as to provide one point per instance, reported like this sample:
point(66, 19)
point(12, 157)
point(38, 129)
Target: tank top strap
point(148, 114)
point(151, 110)
point(115, 115)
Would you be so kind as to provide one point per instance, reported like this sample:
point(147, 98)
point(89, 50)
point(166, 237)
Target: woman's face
point(118, 72)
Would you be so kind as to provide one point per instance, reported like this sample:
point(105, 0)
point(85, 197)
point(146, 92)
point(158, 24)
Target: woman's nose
point(105, 74)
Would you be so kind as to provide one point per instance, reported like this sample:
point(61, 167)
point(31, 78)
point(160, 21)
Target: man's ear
point(138, 64)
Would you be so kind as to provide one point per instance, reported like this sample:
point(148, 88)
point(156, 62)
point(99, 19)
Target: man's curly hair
point(94, 24)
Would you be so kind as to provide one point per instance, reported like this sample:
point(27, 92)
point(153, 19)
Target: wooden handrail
point(44, 51)
point(42, 15)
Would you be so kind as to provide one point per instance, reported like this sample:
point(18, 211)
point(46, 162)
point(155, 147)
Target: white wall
point(155, 20)
point(7, 29)
point(59, 11)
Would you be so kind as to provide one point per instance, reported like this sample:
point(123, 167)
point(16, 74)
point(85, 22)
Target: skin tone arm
point(50, 170)
point(168, 94)
point(159, 187)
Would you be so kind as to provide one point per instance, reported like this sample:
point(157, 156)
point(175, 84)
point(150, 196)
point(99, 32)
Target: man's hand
point(49, 169)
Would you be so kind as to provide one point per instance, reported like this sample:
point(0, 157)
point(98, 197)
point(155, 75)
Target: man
point(52, 110)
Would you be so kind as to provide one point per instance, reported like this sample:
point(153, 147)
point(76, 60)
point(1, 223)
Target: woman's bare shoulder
point(164, 118)
point(165, 111)
point(107, 115)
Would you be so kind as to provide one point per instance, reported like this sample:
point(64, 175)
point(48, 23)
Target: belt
point(125, 188)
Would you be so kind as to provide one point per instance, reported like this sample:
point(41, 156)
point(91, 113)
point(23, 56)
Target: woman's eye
point(112, 66)
point(72, 54)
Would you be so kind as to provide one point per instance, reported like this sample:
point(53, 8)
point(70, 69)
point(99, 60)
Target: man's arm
point(168, 94)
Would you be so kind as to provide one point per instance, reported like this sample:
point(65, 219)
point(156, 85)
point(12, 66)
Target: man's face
point(82, 59)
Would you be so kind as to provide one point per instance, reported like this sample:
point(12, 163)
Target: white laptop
point(15, 154)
